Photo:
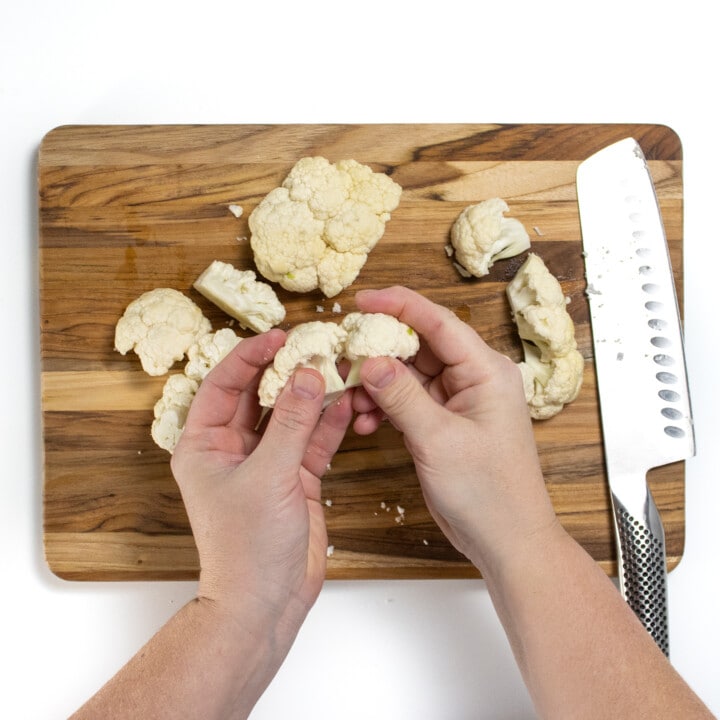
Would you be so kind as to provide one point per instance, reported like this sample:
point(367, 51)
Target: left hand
point(254, 500)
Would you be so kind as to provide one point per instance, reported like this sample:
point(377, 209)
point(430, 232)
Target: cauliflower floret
point(539, 309)
point(481, 235)
point(179, 390)
point(314, 344)
point(552, 369)
point(321, 344)
point(160, 326)
point(252, 303)
point(550, 385)
point(317, 229)
point(376, 335)
point(171, 410)
point(208, 351)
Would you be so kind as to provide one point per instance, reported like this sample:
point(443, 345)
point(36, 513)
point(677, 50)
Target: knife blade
point(640, 364)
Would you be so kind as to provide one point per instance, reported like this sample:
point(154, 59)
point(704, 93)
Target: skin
point(254, 505)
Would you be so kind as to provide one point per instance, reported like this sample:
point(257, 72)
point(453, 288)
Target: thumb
point(294, 418)
point(399, 394)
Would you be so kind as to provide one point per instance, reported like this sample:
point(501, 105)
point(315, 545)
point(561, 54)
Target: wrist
point(249, 641)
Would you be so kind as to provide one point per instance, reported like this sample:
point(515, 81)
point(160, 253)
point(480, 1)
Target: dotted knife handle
point(642, 566)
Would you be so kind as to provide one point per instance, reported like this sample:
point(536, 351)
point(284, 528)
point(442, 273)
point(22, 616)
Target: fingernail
point(306, 385)
point(381, 374)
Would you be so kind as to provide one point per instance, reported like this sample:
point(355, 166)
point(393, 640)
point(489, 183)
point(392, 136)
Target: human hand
point(253, 499)
point(461, 408)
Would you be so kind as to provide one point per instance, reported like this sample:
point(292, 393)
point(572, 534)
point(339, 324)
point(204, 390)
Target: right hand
point(461, 408)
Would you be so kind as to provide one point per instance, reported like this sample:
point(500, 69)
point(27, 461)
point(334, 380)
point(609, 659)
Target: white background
point(398, 650)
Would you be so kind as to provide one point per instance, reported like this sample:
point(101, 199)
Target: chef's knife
point(639, 361)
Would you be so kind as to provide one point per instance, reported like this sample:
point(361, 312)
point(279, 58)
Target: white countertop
point(417, 649)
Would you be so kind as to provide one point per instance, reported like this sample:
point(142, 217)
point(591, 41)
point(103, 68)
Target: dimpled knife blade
point(639, 362)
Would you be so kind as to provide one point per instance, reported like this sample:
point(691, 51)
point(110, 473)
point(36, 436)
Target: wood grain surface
point(125, 209)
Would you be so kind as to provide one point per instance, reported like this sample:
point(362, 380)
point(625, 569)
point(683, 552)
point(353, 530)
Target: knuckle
point(292, 416)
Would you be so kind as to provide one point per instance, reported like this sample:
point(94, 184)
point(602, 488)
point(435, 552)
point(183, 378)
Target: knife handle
point(641, 564)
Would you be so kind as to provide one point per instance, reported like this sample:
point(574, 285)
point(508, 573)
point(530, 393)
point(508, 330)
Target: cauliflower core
point(321, 345)
point(316, 230)
point(252, 303)
point(481, 235)
point(160, 326)
point(552, 369)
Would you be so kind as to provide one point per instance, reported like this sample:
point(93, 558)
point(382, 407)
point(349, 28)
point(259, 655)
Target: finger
point(293, 420)
point(229, 391)
point(328, 435)
point(399, 394)
point(367, 423)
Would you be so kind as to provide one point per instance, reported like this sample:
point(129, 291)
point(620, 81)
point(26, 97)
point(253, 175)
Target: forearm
point(203, 663)
point(581, 650)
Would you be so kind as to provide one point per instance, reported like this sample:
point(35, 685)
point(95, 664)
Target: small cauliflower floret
point(313, 344)
point(160, 326)
point(481, 235)
point(552, 369)
point(316, 230)
point(376, 335)
point(171, 410)
point(539, 309)
point(252, 303)
point(208, 351)
point(549, 386)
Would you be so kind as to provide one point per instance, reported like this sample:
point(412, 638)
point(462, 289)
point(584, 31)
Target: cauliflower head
point(208, 351)
point(316, 230)
point(481, 235)
point(552, 368)
point(171, 410)
point(252, 303)
point(376, 335)
point(160, 326)
point(313, 344)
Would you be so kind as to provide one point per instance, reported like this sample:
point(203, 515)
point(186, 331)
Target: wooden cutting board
point(124, 209)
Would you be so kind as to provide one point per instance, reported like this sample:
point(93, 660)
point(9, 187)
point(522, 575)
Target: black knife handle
point(642, 570)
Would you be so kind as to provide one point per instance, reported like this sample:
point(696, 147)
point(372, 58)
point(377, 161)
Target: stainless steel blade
point(639, 361)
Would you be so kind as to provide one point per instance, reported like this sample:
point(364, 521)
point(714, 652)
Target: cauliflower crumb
point(319, 308)
point(330, 550)
point(337, 308)
point(316, 230)
point(160, 325)
point(328, 502)
point(235, 209)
